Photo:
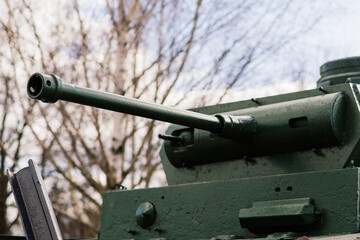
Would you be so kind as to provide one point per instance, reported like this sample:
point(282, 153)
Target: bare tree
point(11, 137)
point(157, 50)
point(14, 111)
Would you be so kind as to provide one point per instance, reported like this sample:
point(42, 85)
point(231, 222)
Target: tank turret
point(277, 167)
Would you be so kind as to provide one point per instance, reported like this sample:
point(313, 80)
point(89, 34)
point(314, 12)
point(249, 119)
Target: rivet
point(352, 164)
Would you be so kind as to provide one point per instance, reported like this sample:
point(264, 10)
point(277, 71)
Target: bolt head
point(145, 214)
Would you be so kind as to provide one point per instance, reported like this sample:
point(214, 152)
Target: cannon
point(277, 167)
point(50, 88)
point(312, 122)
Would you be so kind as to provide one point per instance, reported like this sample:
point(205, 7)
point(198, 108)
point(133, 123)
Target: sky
point(336, 35)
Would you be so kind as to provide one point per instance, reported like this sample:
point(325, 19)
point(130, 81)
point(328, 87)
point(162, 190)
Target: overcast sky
point(336, 35)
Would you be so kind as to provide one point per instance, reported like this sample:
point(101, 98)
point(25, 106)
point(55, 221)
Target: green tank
point(278, 167)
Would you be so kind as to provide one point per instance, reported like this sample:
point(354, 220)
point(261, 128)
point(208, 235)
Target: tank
point(277, 167)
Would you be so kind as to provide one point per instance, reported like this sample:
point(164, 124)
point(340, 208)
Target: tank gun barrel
point(50, 88)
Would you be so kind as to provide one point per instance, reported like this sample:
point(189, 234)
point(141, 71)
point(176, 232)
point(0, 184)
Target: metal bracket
point(289, 214)
point(37, 215)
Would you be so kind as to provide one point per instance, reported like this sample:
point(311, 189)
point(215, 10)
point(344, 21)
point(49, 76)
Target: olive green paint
point(340, 71)
point(310, 159)
point(246, 169)
point(210, 209)
point(282, 215)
